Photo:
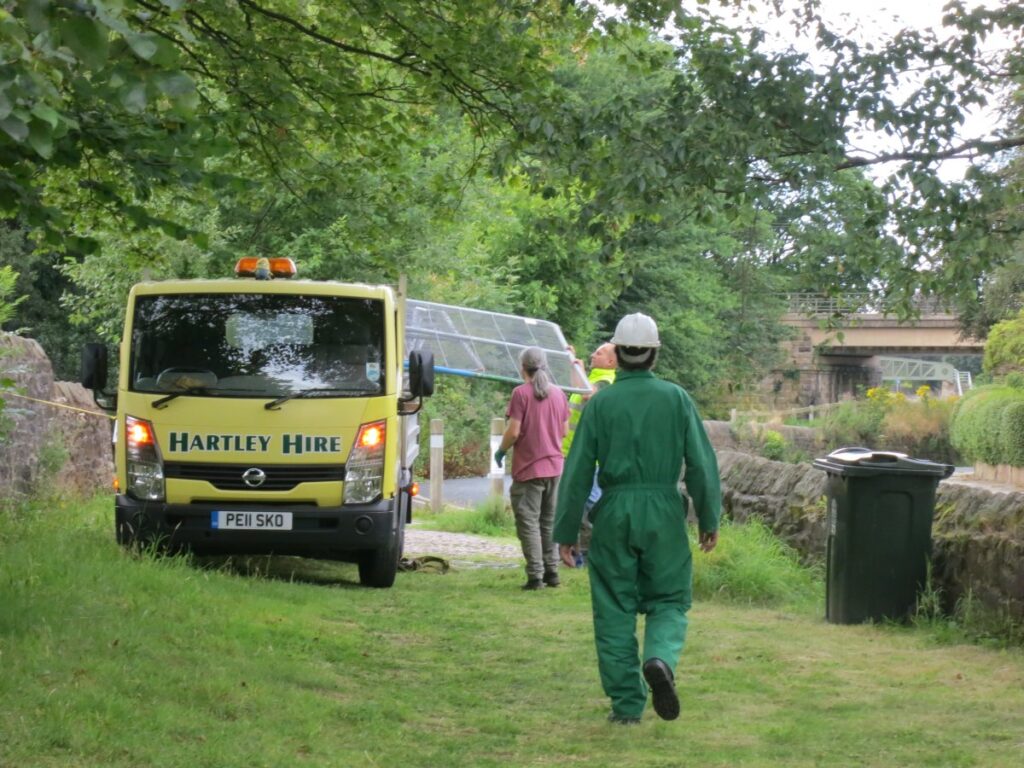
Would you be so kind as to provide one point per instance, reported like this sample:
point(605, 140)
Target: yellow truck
point(263, 414)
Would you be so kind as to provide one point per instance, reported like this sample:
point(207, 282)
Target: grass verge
point(112, 660)
point(490, 518)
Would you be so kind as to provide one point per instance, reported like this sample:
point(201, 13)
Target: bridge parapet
point(843, 304)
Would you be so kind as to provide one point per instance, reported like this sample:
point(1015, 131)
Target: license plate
point(251, 521)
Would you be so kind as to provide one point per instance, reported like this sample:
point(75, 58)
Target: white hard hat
point(636, 330)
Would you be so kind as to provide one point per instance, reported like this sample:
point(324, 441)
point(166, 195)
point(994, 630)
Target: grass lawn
point(112, 660)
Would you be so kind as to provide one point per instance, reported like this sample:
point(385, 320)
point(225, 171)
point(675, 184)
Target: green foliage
point(1004, 348)
point(773, 445)
point(1000, 296)
point(466, 408)
point(40, 312)
point(969, 621)
point(8, 303)
point(7, 306)
point(920, 428)
point(491, 518)
point(751, 565)
point(987, 425)
point(1011, 434)
point(887, 420)
point(135, 101)
point(853, 423)
point(53, 455)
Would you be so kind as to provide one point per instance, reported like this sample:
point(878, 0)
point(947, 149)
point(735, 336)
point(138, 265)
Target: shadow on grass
point(284, 568)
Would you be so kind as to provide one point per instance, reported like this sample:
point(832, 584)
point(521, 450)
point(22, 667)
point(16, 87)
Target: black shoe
point(534, 584)
point(551, 579)
point(622, 719)
point(663, 688)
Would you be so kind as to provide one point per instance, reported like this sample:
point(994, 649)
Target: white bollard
point(436, 464)
point(497, 473)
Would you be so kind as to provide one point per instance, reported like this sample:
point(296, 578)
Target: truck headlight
point(142, 459)
point(364, 470)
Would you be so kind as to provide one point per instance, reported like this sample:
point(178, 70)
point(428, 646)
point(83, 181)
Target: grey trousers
point(533, 503)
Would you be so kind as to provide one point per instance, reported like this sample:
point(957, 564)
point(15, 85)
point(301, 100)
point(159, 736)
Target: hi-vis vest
point(598, 378)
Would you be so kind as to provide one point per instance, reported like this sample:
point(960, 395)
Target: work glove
point(499, 456)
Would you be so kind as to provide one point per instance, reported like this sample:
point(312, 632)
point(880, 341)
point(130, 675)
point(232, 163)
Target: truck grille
point(279, 477)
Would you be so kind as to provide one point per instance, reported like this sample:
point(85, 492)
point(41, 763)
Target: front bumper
point(316, 531)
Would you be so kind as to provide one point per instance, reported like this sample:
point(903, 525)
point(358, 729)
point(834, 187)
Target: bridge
point(841, 344)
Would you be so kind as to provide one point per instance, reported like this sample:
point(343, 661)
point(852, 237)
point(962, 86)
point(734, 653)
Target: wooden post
point(498, 473)
point(436, 464)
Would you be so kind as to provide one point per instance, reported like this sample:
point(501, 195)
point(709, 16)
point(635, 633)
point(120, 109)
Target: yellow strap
point(56, 405)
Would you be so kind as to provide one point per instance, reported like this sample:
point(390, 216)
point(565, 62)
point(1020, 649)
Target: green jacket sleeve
point(577, 480)
point(702, 482)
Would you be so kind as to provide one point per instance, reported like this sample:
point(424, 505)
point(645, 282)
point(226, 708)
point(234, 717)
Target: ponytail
point(535, 363)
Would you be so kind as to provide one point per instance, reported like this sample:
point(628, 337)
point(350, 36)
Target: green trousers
point(639, 562)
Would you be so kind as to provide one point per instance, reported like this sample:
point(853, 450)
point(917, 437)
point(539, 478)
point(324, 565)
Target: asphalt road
point(463, 491)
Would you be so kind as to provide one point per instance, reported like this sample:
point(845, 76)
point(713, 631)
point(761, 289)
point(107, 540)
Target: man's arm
point(577, 480)
point(702, 481)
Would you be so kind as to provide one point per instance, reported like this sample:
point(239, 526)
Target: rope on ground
point(57, 405)
point(428, 563)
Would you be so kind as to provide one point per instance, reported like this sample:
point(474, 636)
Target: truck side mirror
point(93, 375)
point(421, 373)
point(94, 366)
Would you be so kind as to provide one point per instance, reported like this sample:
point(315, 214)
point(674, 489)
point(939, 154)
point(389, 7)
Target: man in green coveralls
point(640, 432)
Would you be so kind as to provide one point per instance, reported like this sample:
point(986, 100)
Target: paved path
point(448, 544)
point(484, 551)
point(463, 491)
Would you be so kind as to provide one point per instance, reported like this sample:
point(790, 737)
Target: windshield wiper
point(163, 401)
point(274, 405)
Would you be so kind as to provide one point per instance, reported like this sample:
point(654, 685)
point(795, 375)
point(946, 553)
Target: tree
point(134, 96)
point(1004, 349)
point(740, 123)
point(38, 311)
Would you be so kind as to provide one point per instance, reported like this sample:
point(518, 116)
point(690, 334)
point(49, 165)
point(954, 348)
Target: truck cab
point(265, 416)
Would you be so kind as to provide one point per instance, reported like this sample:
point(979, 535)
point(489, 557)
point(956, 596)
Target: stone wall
point(978, 532)
point(42, 443)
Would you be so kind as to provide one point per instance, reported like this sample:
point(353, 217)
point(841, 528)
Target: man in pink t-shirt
point(538, 418)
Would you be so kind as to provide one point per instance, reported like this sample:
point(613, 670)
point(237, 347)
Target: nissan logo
point(254, 477)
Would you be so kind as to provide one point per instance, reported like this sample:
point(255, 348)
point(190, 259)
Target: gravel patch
point(457, 548)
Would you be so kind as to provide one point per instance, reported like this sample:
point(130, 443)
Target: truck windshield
point(257, 345)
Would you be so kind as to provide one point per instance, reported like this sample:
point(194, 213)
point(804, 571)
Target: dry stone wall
point(43, 443)
point(978, 532)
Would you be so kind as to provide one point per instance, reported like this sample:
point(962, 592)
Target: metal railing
point(964, 382)
point(856, 304)
point(912, 369)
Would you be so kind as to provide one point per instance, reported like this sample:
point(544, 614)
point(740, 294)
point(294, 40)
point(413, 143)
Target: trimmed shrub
point(1011, 434)
point(977, 429)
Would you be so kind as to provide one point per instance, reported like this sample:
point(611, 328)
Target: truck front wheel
point(377, 568)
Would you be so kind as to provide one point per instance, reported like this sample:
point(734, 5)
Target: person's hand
point(708, 540)
point(499, 456)
point(568, 554)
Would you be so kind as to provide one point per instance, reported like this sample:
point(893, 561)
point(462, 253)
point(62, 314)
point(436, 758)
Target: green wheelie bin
point(880, 508)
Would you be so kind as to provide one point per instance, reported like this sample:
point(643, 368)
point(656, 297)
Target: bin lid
point(864, 462)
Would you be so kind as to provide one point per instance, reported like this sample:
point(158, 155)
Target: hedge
point(988, 426)
point(1011, 434)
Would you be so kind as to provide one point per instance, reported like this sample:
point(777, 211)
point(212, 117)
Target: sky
point(878, 20)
